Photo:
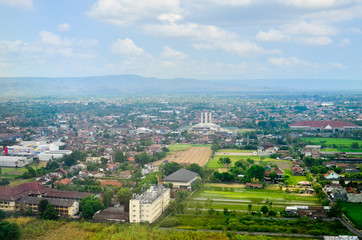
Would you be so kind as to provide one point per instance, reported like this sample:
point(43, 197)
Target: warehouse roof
point(181, 175)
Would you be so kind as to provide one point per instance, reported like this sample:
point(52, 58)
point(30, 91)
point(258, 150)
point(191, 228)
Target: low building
point(49, 155)
point(254, 185)
point(182, 178)
point(149, 206)
point(324, 126)
point(15, 161)
point(64, 207)
point(331, 175)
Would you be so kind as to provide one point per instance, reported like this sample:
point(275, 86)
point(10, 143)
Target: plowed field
point(199, 155)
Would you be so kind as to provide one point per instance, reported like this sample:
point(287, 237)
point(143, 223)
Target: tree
point(170, 167)
point(119, 156)
point(194, 167)
point(256, 171)
point(249, 207)
point(124, 195)
point(36, 162)
point(43, 206)
point(354, 145)
point(273, 175)
point(287, 179)
point(90, 205)
point(107, 197)
point(9, 231)
point(264, 209)
point(50, 213)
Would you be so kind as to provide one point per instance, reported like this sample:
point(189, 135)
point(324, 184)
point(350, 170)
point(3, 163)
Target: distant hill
point(136, 85)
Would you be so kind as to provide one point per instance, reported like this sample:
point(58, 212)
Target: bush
point(170, 222)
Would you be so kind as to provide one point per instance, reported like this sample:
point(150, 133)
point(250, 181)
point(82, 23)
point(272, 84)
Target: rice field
point(199, 155)
point(213, 163)
point(238, 198)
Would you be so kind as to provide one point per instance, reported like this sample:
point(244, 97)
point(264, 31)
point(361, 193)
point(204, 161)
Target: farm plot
point(238, 199)
point(339, 142)
point(213, 163)
point(199, 155)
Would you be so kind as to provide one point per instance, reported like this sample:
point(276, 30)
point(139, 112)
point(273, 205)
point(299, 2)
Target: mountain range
point(137, 85)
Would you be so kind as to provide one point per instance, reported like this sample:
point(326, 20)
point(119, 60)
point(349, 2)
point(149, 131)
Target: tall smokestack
point(205, 117)
point(209, 117)
point(202, 118)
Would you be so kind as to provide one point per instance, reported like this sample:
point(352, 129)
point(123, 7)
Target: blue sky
point(201, 39)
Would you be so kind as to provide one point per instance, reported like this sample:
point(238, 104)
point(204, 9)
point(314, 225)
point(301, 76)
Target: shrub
point(170, 222)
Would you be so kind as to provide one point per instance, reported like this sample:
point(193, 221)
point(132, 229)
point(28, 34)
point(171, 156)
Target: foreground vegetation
point(33, 228)
point(354, 213)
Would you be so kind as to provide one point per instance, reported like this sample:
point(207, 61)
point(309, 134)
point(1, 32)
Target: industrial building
point(333, 126)
point(182, 178)
point(49, 155)
point(150, 205)
point(15, 161)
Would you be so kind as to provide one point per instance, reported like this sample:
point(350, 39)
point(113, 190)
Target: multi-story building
point(148, 206)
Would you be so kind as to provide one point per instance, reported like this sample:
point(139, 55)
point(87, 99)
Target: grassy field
point(213, 163)
point(244, 130)
point(33, 228)
point(237, 198)
point(182, 147)
point(294, 179)
point(354, 213)
point(235, 151)
point(340, 142)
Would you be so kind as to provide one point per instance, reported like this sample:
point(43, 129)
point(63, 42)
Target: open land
point(342, 144)
point(213, 163)
point(294, 179)
point(238, 198)
point(354, 213)
point(199, 155)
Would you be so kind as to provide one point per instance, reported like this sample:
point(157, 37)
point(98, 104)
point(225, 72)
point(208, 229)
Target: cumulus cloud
point(288, 62)
point(27, 4)
point(173, 54)
point(312, 29)
point(272, 36)
point(124, 12)
point(126, 47)
point(318, 41)
point(63, 27)
point(315, 3)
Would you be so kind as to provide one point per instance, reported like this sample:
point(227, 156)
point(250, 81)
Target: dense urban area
point(181, 167)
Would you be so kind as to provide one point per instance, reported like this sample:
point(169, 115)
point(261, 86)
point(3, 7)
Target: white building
point(14, 161)
point(149, 206)
point(207, 127)
point(48, 155)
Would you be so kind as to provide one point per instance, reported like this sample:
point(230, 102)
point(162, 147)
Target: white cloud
point(229, 2)
point(169, 17)
point(318, 41)
point(345, 42)
point(272, 36)
point(27, 4)
point(315, 3)
point(337, 65)
point(173, 54)
point(312, 29)
point(356, 30)
point(288, 62)
point(63, 27)
point(336, 15)
point(50, 38)
point(124, 12)
point(126, 47)
point(211, 37)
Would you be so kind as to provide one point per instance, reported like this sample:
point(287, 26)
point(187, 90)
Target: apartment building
point(148, 206)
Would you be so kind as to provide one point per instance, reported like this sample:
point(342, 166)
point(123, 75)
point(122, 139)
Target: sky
point(199, 39)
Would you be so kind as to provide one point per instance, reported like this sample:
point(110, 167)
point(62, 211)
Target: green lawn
point(213, 163)
point(340, 142)
point(182, 147)
point(235, 151)
point(294, 179)
point(236, 198)
point(354, 213)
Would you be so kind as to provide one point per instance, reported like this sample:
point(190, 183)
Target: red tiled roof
point(323, 124)
point(17, 192)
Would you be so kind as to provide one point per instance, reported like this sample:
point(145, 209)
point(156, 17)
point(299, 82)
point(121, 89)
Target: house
point(297, 171)
point(324, 126)
point(148, 206)
point(64, 181)
point(354, 197)
point(338, 194)
point(280, 173)
point(332, 175)
point(182, 178)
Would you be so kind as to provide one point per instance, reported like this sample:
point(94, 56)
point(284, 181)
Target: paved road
point(351, 228)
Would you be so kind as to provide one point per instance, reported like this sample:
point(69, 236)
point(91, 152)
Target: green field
point(294, 179)
point(182, 147)
point(244, 130)
point(354, 213)
point(213, 163)
point(12, 173)
point(340, 142)
point(238, 199)
point(235, 151)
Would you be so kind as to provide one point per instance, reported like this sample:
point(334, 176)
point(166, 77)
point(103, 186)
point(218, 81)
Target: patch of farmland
point(199, 155)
